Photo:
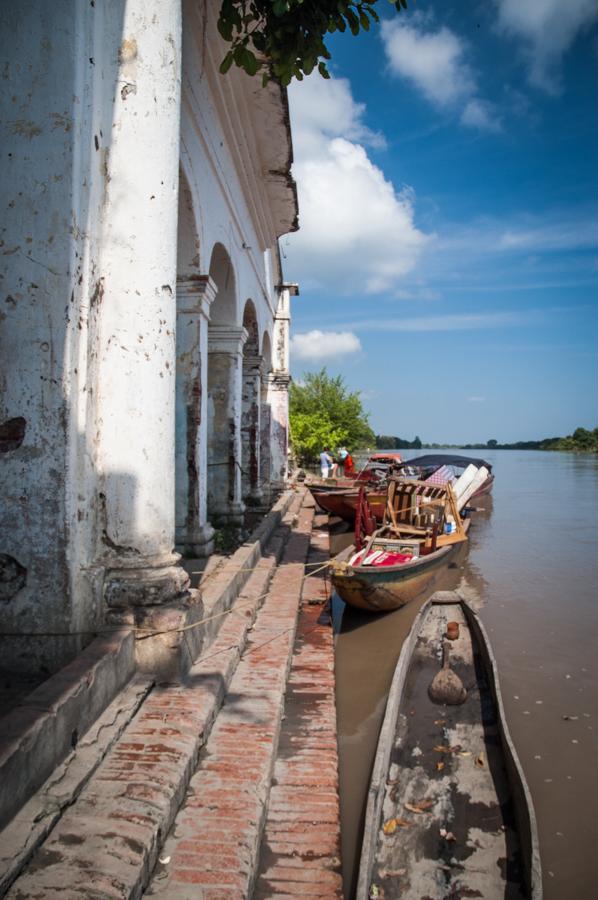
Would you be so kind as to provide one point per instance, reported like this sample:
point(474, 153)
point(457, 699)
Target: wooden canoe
point(334, 501)
point(449, 813)
point(384, 588)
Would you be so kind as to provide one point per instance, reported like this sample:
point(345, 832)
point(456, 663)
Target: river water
point(531, 571)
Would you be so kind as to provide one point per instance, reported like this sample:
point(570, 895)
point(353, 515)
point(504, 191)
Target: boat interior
point(420, 518)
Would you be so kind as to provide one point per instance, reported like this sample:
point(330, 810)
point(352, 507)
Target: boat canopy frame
point(402, 497)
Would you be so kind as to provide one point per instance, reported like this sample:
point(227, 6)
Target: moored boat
point(338, 496)
point(449, 813)
point(391, 565)
point(334, 501)
point(449, 467)
point(470, 478)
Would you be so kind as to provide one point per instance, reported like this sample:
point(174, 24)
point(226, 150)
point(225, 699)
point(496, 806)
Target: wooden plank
point(455, 538)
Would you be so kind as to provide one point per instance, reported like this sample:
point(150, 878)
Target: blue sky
point(448, 191)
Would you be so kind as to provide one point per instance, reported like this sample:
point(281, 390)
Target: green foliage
point(581, 440)
point(324, 413)
point(392, 442)
point(284, 39)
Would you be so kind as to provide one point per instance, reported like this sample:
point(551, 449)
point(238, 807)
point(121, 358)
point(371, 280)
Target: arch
point(265, 418)
point(188, 244)
point(224, 308)
point(266, 353)
point(193, 532)
point(250, 417)
point(252, 345)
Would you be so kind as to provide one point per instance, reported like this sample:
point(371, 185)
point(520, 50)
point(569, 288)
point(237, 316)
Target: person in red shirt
point(349, 467)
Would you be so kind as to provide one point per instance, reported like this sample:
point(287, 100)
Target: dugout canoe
point(449, 813)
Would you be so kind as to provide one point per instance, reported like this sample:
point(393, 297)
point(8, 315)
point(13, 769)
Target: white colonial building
point(143, 314)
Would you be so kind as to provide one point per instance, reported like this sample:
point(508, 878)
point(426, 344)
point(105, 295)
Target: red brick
point(195, 876)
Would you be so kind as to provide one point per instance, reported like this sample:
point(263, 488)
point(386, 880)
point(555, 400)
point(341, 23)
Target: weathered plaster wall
point(228, 144)
point(56, 115)
point(89, 133)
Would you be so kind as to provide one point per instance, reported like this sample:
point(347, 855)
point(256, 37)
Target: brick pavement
point(107, 843)
point(300, 853)
point(210, 780)
point(213, 847)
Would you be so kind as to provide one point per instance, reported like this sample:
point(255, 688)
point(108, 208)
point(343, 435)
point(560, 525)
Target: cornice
point(227, 339)
point(248, 115)
point(195, 294)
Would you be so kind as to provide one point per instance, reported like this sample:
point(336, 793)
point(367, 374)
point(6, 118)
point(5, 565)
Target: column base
point(255, 497)
point(165, 646)
point(233, 514)
point(136, 581)
point(197, 545)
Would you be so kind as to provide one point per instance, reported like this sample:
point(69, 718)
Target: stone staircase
point(168, 792)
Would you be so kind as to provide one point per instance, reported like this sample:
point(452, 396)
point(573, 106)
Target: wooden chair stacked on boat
point(415, 516)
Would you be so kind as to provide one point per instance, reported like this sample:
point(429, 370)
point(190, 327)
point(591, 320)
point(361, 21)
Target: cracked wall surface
point(122, 420)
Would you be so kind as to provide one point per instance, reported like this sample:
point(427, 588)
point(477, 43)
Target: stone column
point(135, 297)
point(250, 429)
point(194, 534)
point(225, 371)
point(277, 392)
point(265, 439)
point(278, 400)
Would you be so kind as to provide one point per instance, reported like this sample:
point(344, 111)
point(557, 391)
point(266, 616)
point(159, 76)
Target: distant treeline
point(580, 440)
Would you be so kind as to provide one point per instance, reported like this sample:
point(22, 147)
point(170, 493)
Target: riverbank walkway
point(224, 786)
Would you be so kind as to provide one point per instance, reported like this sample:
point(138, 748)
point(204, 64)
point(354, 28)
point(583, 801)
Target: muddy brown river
point(531, 571)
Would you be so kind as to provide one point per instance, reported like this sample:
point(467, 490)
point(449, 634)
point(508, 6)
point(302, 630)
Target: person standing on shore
point(326, 462)
point(342, 456)
point(349, 465)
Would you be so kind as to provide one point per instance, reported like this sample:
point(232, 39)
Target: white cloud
point(435, 62)
point(357, 231)
point(577, 234)
point(548, 28)
point(320, 345)
point(476, 399)
point(479, 114)
point(448, 322)
point(326, 108)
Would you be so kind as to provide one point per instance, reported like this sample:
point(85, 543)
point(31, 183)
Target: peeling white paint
point(111, 326)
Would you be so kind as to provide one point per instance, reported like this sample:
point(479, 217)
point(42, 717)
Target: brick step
point(106, 844)
point(36, 819)
point(300, 849)
point(212, 849)
point(37, 735)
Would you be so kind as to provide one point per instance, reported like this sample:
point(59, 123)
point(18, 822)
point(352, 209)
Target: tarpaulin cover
point(445, 459)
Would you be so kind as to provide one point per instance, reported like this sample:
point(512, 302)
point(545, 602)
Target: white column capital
point(195, 294)
point(254, 362)
point(278, 381)
point(227, 339)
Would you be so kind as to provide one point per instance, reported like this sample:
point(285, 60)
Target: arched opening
point(226, 340)
point(250, 411)
point(224, 308)
point(194, 294)
point(265, 418)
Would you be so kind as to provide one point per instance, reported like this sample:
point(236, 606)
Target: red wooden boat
point(341, 499)
point(338, 496)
